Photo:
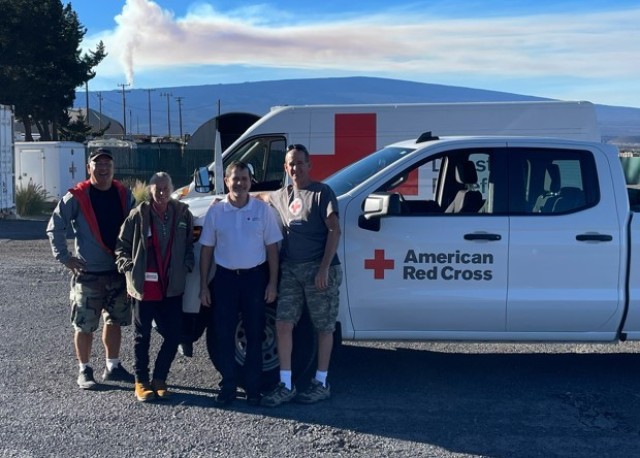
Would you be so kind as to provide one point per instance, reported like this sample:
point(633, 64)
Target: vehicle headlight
point(181, 193)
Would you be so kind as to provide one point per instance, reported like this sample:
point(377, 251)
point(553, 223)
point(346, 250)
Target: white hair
point(160, 176)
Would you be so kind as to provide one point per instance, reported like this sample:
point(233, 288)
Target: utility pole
point(149, 91)
point(86, 93)
point(99, 95)
point(168, 95)
point(179, 100)
point(124, 109)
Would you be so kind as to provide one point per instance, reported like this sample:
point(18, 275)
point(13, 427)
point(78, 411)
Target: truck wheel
point(303, 358)
point(270, 363)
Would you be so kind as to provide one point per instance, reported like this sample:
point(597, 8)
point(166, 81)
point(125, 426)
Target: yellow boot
point(144, 392)
point(161, 389)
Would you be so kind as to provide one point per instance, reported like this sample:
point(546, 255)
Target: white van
point(338, 135)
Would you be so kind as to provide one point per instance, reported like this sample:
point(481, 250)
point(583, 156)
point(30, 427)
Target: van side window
point(265, 156)
point(551, 181)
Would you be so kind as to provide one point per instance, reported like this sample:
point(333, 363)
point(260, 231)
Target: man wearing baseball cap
point(94, 210)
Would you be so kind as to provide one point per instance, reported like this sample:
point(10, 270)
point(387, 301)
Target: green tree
point(75, 131)
point(41, 63)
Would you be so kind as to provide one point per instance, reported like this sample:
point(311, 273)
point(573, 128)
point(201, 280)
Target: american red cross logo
point(379, 264)
point(295, 207)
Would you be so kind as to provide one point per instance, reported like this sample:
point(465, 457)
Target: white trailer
point(56, 166)
point(7, 195)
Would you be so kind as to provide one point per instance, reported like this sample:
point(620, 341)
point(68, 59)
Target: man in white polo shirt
point(242, 232)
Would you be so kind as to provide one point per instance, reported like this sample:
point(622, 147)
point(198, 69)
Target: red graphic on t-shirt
point(295, 207)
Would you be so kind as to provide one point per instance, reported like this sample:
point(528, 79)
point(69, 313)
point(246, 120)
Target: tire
point(304, 357)
point(270, 362)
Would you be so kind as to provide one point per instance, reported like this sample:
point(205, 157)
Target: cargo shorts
point(103, 294)
point(297, 284)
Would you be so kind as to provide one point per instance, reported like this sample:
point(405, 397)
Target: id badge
point(151, 276)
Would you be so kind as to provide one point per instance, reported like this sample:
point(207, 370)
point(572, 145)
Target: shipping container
point(56, 166)
point(7, 191)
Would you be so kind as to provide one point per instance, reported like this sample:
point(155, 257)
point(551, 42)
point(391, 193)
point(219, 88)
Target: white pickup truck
point(483, 239)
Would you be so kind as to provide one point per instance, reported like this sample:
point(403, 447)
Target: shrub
point(138, 188)
point(140, 191)
point(31, 200)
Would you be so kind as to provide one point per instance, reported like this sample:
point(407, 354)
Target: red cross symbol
point(73, 170)
point(295, 207)
point(379, 264)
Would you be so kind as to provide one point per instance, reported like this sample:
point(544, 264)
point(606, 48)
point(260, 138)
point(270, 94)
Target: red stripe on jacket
point(81, 193)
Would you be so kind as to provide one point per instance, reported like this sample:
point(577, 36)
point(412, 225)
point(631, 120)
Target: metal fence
point(140, 161)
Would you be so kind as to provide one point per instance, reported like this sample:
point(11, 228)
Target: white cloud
point(580, 45)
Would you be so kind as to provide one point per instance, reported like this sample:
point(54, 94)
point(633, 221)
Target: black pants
point(167, 314)
point(239, 294)
point(194, 325)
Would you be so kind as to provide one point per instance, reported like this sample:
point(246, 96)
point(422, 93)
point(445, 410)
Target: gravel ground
point(388, 399)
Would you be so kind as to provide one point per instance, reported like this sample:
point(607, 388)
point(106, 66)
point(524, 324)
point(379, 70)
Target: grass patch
point(138, 188)
point(32, 200)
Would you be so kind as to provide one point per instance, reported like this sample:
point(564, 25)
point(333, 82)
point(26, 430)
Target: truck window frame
point(528, 180)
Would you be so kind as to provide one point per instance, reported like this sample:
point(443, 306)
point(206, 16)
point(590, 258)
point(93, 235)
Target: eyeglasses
point(299, 147)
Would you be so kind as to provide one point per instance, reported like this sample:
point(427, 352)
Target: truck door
point(565, 251)
point(426, 269)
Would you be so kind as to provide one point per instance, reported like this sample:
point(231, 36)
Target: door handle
point(476, 236)
point(594, 238)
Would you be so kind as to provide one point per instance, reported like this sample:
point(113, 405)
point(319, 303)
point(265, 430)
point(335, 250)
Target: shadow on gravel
point(22, 229)
point(488, 404)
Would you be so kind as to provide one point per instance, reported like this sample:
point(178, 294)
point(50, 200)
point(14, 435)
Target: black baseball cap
point(95, 154)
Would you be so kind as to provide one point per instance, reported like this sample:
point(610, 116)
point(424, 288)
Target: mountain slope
point(199, 103)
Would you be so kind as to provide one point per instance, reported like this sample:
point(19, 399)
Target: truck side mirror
point(202, 179)
point(381, 204)
point(376, 206)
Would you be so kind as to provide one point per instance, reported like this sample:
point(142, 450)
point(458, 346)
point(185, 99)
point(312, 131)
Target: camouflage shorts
point(297, 282)
point(94, 295)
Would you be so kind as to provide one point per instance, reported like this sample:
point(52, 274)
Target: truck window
point(351, 176)
point(457, 182)
point(551, 181)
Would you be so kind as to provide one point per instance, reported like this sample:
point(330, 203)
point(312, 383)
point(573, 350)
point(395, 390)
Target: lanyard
point(162, 272)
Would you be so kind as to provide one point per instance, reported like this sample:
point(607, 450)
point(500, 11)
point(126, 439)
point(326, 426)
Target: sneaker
point(315, 392)
point(278, 396)
point(86, 380)
point(117, 374)
point(144, 392)
point(160, 388)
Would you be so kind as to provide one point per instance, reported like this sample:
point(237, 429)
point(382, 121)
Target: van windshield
point(346, 179)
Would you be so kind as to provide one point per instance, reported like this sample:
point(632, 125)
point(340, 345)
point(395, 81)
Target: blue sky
point(568, 50)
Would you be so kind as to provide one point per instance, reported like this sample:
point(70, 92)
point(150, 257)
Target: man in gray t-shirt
point(310, 272)
point(303, 213)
